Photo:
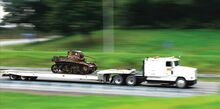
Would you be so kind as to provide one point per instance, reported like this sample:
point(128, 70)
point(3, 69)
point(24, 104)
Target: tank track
point(71, 68)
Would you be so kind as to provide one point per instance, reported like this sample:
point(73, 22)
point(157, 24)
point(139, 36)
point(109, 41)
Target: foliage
point(26, 11)
point(173, 13)
point(84, 16)
point(66, 17)
point(78, 16)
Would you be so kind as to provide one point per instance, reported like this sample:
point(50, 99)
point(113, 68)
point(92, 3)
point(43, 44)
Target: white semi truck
point(160, 70)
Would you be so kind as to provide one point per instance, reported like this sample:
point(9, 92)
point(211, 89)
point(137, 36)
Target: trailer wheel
point(131, 80)
point(24, 78)
point(181, 83)
point(13, 77)
point(33, 78)
point(118, 80)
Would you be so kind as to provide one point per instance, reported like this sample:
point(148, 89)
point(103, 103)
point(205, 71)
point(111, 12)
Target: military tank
point(73, 63)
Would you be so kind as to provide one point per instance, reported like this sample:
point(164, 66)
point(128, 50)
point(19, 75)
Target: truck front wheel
point(181, 83)
point(131, 80)
point(118, 80)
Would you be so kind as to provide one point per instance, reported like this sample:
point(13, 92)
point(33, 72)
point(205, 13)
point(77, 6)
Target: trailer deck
point(43, 74)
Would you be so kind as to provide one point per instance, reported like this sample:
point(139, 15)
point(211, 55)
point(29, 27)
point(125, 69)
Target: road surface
point(25, 41)
point(48, 69)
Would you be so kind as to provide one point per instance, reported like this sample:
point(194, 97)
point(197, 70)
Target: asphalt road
point(25, 41)
point(48, 69)
point(63, 86)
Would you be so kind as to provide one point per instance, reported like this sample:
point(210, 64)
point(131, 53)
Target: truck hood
point(188, 73)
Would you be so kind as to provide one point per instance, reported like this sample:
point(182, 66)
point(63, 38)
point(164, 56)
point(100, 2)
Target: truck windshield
point(176, 63)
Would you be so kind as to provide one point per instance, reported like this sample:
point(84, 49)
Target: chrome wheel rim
point(130, 81)
point(181, 83)
point(118, 80)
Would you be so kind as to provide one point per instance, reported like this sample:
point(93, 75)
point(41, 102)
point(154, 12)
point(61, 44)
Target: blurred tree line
point(173, 13)
point(66, 16)
point(84, 16)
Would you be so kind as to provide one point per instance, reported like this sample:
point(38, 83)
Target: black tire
point(118, 80)
point(55, 68)
point(181, 83)
point(14, 77)
point(131, 80)
point(32, 78)
point(24, 78)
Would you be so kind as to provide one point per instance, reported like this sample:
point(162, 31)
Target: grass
point(199, 48)
point(9, 100)
point(209, 79)
point(165, 41)
point(104, 60)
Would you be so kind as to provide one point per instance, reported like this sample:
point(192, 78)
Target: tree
point(66, 16)
point(173, 13)
point(26, 11)
point(78, 16)
point(207, 10)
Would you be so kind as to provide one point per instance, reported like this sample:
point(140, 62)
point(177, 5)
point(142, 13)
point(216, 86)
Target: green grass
point(199, 48)
point(33, 101)
point(209, 79)
point(104, 60)
point(165, 41)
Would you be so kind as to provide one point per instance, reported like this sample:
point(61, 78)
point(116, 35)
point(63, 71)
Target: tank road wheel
point(74, 69)
point(66, 69)
point(55, 68)
point(131, 80)
point(62, 69)
point(92, 70)
point(84, 70)
point(118, 80)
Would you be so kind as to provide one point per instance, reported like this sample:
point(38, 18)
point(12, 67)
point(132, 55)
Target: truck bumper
point(190, 83)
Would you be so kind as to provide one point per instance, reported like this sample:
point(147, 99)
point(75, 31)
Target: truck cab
point(169, 70)
point(160, 70)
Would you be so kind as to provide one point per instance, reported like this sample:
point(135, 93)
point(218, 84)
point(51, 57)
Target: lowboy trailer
point(166, 70)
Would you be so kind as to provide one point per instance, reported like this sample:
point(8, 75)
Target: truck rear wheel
point(131, 80)
point(118, 80)
point(181, 83)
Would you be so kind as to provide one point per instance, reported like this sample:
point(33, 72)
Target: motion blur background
point(118, 34)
